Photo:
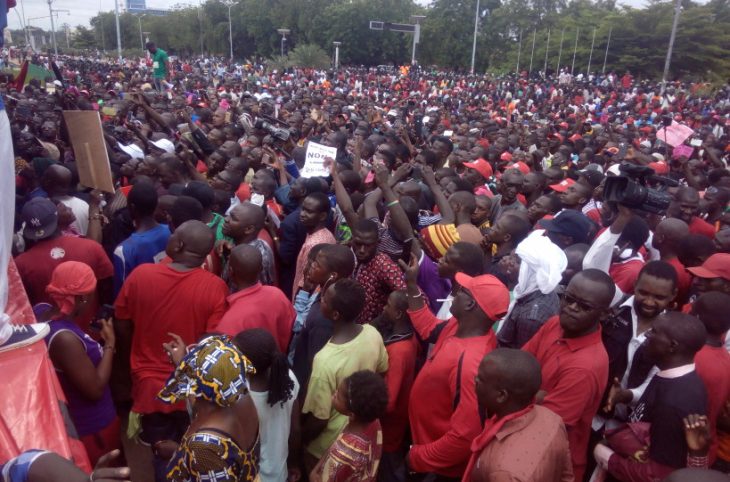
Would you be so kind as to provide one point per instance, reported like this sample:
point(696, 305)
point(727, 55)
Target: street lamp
point(337, 53)
point(119, 35)
point(141, 40)
point(283, 32)
point(230, 4)
point(416, 35)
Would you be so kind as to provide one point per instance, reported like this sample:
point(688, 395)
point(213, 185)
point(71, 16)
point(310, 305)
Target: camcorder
point(639, 188)
point(278, 133)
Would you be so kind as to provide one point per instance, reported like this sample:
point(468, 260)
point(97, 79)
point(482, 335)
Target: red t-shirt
point(443, 408)
point(626, 274)
point(37, 264)
point(684, 279)
point(260, 306)
point(574, 375)
point(399, 378)
point(713, 366)
point(161, 300)
point(700, 226)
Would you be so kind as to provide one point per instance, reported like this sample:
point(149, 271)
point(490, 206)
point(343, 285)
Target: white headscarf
point(542, 266)
point(7, 211)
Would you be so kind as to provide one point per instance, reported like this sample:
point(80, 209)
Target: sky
point(81, 11)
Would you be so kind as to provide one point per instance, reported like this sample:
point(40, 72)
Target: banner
point(314, 160)
point(87, 139)
point(675, 134)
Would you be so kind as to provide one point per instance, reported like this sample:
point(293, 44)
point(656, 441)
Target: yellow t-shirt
point(331, 365)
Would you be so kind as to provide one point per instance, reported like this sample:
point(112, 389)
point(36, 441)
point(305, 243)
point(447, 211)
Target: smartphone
point(105, 312)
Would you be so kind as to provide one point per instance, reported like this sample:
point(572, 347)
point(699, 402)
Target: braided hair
point(260, 348)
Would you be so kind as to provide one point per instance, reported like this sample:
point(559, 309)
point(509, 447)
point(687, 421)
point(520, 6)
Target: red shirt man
point(699, 226)
point(260, 306)
point(573, 360)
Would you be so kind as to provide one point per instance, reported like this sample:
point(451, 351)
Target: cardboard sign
point(682, 150)
point(314, 160)
point(675, 134)
point(87, 139)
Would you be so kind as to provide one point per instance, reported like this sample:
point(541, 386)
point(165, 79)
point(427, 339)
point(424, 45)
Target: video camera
point(632, 189)
point(278, 133)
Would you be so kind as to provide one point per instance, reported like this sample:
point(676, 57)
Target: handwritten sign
point(675, 134)
point(87, 139)
point(314, 160)
point(682, 150)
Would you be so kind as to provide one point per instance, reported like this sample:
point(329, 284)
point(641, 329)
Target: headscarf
point(213, 370)
point(542, 266)
point(70, 279)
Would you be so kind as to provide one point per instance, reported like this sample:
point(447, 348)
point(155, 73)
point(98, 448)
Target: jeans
point(157, 427)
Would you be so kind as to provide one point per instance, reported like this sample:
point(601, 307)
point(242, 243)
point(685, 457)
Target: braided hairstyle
point(260, 348)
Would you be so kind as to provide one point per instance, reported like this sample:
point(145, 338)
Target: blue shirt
point(146, 247)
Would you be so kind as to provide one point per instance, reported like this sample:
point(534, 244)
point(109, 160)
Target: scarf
point(491, 429)
point(68, 280)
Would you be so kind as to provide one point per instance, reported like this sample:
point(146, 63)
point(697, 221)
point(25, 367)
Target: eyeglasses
point(568, 299)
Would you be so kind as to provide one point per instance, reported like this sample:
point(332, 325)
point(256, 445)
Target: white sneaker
point(24, 335)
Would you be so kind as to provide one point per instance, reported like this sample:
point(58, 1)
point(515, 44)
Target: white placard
point(314, 160)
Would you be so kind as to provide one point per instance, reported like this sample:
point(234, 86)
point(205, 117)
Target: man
point(713, 275)
point(520, 440)
point(313, 215)
point(674, 393)
point(503, 237)
point(509, 186)
point(533, 186)
point(442, 147)
point(544, 207)
point(353, 347)
point(156, 300)
point(463, 204)
point(36, 265)
point(148, 241)
point(254, 305)
point(573, 359)
point(377, 273)
point(160, 66)
point(244, 223)
point(57, 183)
point(685, 206)
point(568, 228)
point(206, 195)
point(668, 238)
point(444, 427)
point(459, 258)
point(573, 194)
point(713, 360)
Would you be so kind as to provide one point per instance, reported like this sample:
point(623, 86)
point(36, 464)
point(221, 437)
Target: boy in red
point(712, 362)
point(443, 408)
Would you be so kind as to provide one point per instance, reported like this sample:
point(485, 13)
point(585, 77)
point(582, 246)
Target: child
point(355, 454)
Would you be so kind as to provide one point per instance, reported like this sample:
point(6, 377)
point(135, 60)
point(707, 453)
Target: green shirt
point(159, 63)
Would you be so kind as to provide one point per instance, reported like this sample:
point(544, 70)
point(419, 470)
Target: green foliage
point(309, 55)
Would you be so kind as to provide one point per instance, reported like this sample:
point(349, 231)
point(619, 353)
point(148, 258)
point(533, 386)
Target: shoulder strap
point(457, 394)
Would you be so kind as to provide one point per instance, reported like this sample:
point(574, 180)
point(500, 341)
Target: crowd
point(494, 278)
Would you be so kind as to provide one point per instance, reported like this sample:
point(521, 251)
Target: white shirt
point(274, 427)
point(80, 209)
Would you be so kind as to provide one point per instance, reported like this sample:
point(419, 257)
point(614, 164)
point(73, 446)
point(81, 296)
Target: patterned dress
point(352, 457)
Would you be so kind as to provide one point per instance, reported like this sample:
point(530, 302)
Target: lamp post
point(53, 28)
point(230, 4)
point(283, 32)
point(141, 40)
point(673, 35)
point(416, 35)
point(474, 42)
point(119, 34)
point(337, 53)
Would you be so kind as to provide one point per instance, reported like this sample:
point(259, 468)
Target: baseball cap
point(490, 294)
point(593, 177)
point(482, 167)
point(520, 166)
point(40, 216)
point(570, 223)
point(563, 185)
point(165, 145)
point(506, 156)
point(716, 266)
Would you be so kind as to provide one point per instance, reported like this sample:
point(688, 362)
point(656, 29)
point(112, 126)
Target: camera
point(632, 189)
point(277, 133)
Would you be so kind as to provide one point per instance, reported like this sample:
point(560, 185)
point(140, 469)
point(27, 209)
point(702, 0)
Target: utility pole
point(416, 35)
point(532, 53)
point(668, 61)
point(283, 32)
point(575, 49)
point(560, 51)
point(474, 43)
point(230, 4)
point(337, 53)
point(547, 49)
point(519, 51)
point(590, 56)
point(605, 57)
point(141, 40)
point(53, 28)
point(119, 34)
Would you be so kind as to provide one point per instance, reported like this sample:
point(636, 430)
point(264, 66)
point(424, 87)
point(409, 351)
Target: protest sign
point(87, 139)
point(314, 160)
point(682, 150)
point(675, 134)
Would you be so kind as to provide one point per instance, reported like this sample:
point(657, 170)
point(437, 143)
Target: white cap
point(133, 150)
point(164, 145)
point(658, 157)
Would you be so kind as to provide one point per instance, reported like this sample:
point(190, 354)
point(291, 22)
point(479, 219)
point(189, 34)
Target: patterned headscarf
point(213, 370)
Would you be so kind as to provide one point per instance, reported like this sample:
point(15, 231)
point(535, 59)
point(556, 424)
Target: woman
point(274, 390)
point(355, 454)
point(223, 435)
point(83, 366)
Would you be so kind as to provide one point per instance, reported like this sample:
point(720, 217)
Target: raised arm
point(447, 214)
point(343, 199)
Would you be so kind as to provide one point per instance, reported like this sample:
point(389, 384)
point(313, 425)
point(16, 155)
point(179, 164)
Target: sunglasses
point(568, 299)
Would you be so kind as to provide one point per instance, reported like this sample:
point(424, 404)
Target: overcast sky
point(81, 11)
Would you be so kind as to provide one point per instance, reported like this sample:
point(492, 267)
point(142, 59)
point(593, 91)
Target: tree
point(309, 55)
point(83, 38)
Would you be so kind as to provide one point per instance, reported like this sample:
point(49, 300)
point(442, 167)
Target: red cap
point(564, 125)
point(660, 167)
point(520, 166)
point(506, 156)
point(482, 167)
point(716, 266)
point(575, 137)
point(556, 136)
point(489, 293)
point(563, 185)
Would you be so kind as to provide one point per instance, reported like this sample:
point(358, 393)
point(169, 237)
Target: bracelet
point(108, 347)
point(419, 295)
point(393, 203)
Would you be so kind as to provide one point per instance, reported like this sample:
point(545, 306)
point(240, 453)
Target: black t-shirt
point(314, 336)
point(664, 404)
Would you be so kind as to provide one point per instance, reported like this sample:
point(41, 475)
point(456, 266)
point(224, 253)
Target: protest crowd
point(365, 274)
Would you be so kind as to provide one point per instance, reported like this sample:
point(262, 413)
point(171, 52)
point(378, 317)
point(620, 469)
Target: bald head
point(246, 264)
point(688, 331)
point(669, 234)
point(56, 180)
point(696, 475)
point(191, 242)
point(244, 222)
point(464, 201)
point(520, 372)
